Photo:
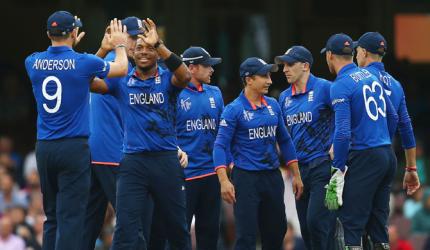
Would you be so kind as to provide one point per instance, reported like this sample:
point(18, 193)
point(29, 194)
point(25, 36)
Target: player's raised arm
point(118, 36)
point(181, 74)
point(105, 45)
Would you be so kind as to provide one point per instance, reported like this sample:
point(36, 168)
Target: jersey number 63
point(373, 107)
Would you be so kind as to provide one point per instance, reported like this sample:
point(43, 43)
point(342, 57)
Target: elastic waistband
point(71, 139)
point(370, 149)
point(154, 153)
point(314, 161)
point(257, 170)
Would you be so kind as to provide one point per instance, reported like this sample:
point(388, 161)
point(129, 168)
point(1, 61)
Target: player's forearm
point(98, 86)
point(119, 67)
point(294, 168)
point(101, 53)
point(410, 157)
point(174, 63)
point(222, 175)
point(219, 157)
point(405, 127)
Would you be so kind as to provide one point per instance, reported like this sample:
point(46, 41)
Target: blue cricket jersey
point(61, 80)
point(364, 116)
point(197, 126)
point(106, 132)
point(395, 92)
point(309, 118)
point(148, 109)
point(251, 133)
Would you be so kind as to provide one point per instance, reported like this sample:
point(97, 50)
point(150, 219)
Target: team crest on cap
point(54, 24)
point(346, 43)
point(382, 43)
point(139, 24)
point(288, 51)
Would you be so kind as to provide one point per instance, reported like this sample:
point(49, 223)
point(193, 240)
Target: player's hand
point(150, 36)
point(79, 36)
point(227, 192)
point(106, 44)
point(297, 186)
point(334, 189)
point(118, 33)
point(411, 182)
point(183, 158)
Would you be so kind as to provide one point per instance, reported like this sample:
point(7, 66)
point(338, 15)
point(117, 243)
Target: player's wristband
point(173, 62)
point(120, 46)
point(411, 169)
point(158, 43)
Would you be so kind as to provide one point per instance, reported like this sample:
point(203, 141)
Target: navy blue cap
point(339, 44)
point(134, 25)
point(295, 54)
point(198, 55)
point(372, 42)
point(256, 66)
point(62, 22)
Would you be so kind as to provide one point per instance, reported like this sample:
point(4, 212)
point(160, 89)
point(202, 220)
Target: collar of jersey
point(377, 65)
point(345, 69)
point(160, 71)
point(309, 86)
point(249, 105)
point(57, 49)
point(192, 87)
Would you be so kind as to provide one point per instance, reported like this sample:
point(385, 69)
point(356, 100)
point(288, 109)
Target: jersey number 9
point(56, 96)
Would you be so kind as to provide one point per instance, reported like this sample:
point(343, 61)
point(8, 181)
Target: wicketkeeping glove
point(334, 189)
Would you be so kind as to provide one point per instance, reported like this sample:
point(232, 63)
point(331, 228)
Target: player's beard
point(147, 68)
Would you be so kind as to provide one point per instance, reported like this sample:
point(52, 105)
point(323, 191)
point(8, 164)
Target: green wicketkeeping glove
point(333, 195)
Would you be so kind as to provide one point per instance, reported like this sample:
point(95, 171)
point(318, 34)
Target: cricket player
point(201, 106)
point(371, 48)
point(364, 163)
point(307, 112)
point(252, 126)
point(61, 79)
point(150, 166)
point(106, 141)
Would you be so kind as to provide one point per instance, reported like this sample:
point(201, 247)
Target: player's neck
point(253, 96)
point(370, 60)
point(67, 43)
point(300, 84)
point(196, 82)
point(339, 66)
point(144, 74)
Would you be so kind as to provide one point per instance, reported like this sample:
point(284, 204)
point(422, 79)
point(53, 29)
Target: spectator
point(38, 229)
point(22, 228)
point(395, 242)
point(9, 194)
point(413, 204)
point(9, 241)
point(421, 220)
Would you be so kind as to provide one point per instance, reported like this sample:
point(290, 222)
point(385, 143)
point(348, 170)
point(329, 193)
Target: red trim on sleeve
point(292, 161)
point(105, 163)
point(220, 166)
point(200, 176)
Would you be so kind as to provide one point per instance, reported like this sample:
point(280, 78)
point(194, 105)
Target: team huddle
point(154, 139)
